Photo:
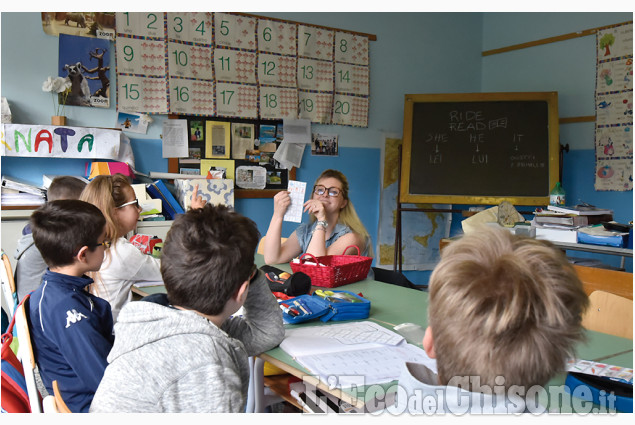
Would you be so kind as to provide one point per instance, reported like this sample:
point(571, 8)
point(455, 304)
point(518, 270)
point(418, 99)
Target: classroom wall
point(569, 68)
point(414, 53)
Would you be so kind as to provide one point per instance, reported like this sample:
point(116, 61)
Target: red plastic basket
point(331, 271)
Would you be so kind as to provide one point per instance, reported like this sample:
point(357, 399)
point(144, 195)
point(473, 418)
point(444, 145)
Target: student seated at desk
point(71, 329)
point(503, 311)
point(30, 265)
point(124, 264)
point(334, 223)
point(182, 352)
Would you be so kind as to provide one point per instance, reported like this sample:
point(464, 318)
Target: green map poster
point(421, 231)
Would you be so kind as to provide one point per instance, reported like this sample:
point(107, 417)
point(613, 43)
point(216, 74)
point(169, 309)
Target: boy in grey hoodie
point(182, 351)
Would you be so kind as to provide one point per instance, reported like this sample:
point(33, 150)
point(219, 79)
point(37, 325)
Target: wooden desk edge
point(313, 380)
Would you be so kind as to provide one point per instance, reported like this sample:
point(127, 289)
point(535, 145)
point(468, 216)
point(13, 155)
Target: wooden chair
point(59, 401)
point(261, 245)
point(610, 314)
point(25, 354)
point(9, 292)
point(596, 279)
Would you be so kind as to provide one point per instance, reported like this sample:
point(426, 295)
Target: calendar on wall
point(240, 66)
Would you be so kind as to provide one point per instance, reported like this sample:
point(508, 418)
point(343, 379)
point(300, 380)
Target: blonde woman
point(333, 225)
point(123, 264)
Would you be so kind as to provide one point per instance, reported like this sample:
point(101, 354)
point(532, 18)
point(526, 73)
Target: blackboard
point(480, 148)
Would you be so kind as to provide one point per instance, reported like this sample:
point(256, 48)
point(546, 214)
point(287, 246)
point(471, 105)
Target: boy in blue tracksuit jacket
point(71, 329)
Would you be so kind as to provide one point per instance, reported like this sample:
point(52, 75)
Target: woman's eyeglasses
point(135, 203)
point(321, 190)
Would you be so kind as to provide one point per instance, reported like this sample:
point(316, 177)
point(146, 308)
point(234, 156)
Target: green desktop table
point(392, 305)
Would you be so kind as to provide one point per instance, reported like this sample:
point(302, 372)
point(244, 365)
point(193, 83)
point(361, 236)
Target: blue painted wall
point(414, 53)
point(567, 67)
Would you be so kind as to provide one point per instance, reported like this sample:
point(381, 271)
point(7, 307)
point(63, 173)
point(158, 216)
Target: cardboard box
point(214, 191)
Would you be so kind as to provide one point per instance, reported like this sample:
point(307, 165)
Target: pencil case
point(336, 307)
point(598, 388)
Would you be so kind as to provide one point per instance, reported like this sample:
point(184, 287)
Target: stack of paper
point(352, 354)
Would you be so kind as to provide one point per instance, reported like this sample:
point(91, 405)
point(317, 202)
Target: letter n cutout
point(87, 138)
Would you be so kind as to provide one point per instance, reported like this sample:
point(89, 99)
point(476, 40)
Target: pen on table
point(305, 307)
point(297, 304)
point(290, 311)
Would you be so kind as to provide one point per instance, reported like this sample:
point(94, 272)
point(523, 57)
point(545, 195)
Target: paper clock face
point(141, 94)
point(192, 27)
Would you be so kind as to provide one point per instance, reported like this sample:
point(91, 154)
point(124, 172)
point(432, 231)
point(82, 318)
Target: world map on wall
point(421, 231)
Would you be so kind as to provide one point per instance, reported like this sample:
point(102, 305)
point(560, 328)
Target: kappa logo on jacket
point(72, 316)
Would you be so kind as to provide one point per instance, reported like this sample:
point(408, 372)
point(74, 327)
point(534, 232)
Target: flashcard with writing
point(191, 97)
point(316, 43)
point(143, 24)
point(276, 37)
point(277, 102)
point(235, 31)
point(193, 27)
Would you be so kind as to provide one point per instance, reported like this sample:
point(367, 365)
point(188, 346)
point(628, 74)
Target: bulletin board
point(480, 148)
point(240, 66)
point(204, 154)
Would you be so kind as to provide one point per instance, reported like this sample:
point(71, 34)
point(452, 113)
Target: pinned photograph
point(133, 123)
point(324, 144)
point(196, 130)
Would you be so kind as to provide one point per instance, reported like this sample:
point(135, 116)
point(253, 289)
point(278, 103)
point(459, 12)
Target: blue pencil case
point(603, 391)
point(342, 305)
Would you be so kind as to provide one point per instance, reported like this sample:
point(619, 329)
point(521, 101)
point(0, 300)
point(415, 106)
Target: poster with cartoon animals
point(86, 63)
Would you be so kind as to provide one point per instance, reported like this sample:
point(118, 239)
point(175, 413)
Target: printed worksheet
point(296, 190)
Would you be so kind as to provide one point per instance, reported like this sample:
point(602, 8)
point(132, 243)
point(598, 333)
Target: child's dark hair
point(208, 254)
point(65, 187)
point(61, 228)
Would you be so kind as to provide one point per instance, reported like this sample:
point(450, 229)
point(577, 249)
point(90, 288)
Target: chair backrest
point(25, 354)
point(597, 279)
point(59, 401)
point(395, 278)
point(261, 245)
point(610, 314)
point(9, 292)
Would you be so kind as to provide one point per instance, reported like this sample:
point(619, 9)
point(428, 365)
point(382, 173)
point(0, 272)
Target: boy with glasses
point(184, 351)
point(71, 329)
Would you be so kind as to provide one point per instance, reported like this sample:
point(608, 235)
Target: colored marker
point(297, 304)
point(306, 307)
point(290, 311)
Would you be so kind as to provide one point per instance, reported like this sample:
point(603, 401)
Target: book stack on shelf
point(566, 223)
point(17, 192)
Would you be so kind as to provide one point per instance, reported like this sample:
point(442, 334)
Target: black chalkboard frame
point(407, 195)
